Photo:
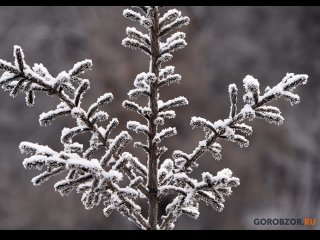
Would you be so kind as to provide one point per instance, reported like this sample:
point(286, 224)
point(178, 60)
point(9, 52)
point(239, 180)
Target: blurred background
point(279, 171)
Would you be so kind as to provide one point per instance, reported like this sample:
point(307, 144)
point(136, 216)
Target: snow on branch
point(137, 17)
point(101, 101)
point(80, 68)
point(134, 33)
point(173, 103)
point(255, 107)
point(143, 111)
point(171, 21)
point(212, 190)
point(233, 94)
point(84, 173)
point(165, 133)
point(102, 171)
point(135, 45)
point(116, 147)
point(138, 127)
point(46, 119)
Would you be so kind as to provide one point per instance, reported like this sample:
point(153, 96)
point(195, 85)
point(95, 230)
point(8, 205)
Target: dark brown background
point(279, 172)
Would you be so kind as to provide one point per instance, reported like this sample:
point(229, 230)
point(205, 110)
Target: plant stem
point(153, 101)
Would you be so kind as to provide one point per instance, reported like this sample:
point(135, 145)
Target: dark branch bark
point(153, 100)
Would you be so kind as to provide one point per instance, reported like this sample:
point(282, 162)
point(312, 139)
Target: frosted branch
point(253, 109)
point(116, 178)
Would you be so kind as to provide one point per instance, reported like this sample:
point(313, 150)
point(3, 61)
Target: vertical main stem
point(153, 101)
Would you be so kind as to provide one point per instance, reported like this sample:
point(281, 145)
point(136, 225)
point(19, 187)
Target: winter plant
point(103, 179)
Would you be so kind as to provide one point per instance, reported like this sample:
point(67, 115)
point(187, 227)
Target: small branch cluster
point(232, 129)
point(96, 179)
point(101, 179)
